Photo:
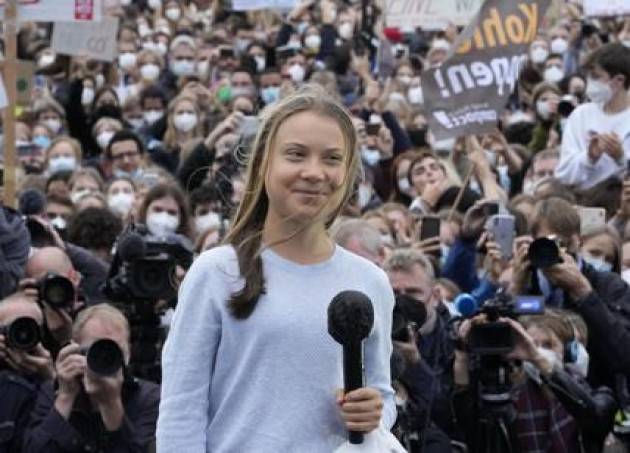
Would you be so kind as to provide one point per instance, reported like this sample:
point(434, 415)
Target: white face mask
point(261, 63)
point(149, 72)
point(205, 222)
point(404, 80)
point(582, 360)
point(415, 95)
point(364, 196)
point(203, 67)
point(313, 42)
point(270, 94)
point(542, 107)
point(598, 92)
point(59, 223)
point(100, 81)
point(136, 123)
point(121, 203)
point(151, 116)
point(155, 4)
point(371, 156)
point(597, 263)
point(559, 45)
point(182, 67)
point(185, 122)
point(127, 60)
point(103, 139)
point(161, 48)
point(162, 223)
point(538, 55)
point(404, 186)
point(87, 96)
point(346, 30)
point(297, 73)
point(62, 163)
point(45, 60)
point(53, 124)
point(550, 355)
point(173, 14)
point(553, 74)
point(76, 196)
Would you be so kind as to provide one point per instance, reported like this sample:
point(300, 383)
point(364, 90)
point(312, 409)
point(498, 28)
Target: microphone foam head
point(350, 317)
point(131, 247)
point(466, 305)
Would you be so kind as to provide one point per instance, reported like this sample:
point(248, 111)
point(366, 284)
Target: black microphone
point(350, 320)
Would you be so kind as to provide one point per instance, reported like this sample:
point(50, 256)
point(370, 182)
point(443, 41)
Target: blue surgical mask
point(118, 173)
point(61, 163)
point(371, 156)
point(582, 360)
point(42, 141)
point(598, 263)
point(270, 94)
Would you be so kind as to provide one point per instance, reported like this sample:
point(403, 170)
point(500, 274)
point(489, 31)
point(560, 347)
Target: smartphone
point(372, 128)
point(429, 227)
point(501, 226)
point(249, 126)
point(226, 52)
point(529, 305)
point(591, 219)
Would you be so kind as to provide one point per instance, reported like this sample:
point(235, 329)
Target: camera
point(56, 290)
point(566, 105)
point(22, 334)
point(408, 312)
point(496, 337)
point(104, 357)
point(544, 252)
point(144, 265)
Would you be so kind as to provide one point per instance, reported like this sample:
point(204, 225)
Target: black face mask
point(108, 110)
point(418, 137)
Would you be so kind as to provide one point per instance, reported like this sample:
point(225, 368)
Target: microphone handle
point(353, 377)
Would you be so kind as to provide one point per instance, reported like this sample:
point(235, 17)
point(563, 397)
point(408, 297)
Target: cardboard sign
point(608, 8)
point(469, 91)
point(88, 39)
point(58, 10)
point(251, 5)
point(430, 14)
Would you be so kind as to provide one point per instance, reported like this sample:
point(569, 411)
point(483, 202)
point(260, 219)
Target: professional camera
point(23, 334)
point(104, 357)
point(144, 265)
point(56, 290)
point(544, 253)
point(566, 105)
point(408, 312)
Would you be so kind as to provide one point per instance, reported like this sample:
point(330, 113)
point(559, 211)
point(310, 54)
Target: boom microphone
point(350, 320)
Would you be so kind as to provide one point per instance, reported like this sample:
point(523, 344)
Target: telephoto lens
point(56, 290)
point(23, 334)
point(104, 357)
point(543, 253)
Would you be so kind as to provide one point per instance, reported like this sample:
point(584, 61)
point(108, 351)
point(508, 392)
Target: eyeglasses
point(122, 156)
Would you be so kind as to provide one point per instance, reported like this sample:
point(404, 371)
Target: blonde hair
point(74, 144)
point(245, 234)
point(101, 311)
point(170, 136)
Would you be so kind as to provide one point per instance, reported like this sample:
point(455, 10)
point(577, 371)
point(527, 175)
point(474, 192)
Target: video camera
point(22, 334)
point(144, 265)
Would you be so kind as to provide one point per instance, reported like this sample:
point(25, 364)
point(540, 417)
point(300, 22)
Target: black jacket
point(17, 401)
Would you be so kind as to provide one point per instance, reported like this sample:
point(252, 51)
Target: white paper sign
point(249, 5)
point(430, 14)
point(4, 99)
point(59, 11)
point(89, 39)
point(606, 7)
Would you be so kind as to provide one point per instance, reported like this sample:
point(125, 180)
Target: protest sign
point(93, 40)
point(467, 93)
point(606, 8)
point(250, 5)
point(58, 10)
point(430, 14)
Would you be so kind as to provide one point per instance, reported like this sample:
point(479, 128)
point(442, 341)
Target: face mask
point(598, 92)
point(127, 60)
point(185, 122)
point(87, 96)
point(313, 42)
point(559, 45)
point(136, 123)
point(162, 223)
point(241, 91)
point(387, 239)
point(371, 156)
point(182, 67)
point(261, 63)
point(550, 356)
point(346, 30)
point(103, 139)
point(161, 48)
point(173, 14)
point(76, 196)
point(45, 60)
point(582, 360)
point(553, 74)
point(297, 73)
point(149, 72)
point(270, 94)
point(151, 116)
point(42, 141)
point(364, 195)
point(61, 163)
point(448, 144)
point(155, 4)
point(542, 107)
point(121, 203)
point(100, 81)
point(203, 67)
point(404, 186)
point(404, 80)
point(599, 264)
point(59, 223)
point(208, 221)
point(301, 27)
point(53, 124)
point(137, 173)
point(538, 55)
point(415, 95)
point(491, 156)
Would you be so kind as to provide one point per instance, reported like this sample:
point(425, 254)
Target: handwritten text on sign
point(430, 14)
point(93, 40)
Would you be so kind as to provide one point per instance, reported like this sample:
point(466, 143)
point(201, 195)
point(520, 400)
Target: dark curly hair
point(94, 228)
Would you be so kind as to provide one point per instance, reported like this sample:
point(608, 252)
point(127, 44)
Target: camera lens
point(104, 357)
point(23, 334)
point(543, 253)
point(57, 291)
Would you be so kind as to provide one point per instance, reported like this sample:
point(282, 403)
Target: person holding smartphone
point(248, 364)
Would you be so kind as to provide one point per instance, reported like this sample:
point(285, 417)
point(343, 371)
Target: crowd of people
point(157, 144)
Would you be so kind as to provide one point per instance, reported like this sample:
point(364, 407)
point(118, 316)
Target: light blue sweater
point(266, 384)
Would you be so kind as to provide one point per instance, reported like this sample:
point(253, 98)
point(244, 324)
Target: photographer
point(601, 298)
point(551, 409)
point(24, 366)
point(89, 408)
